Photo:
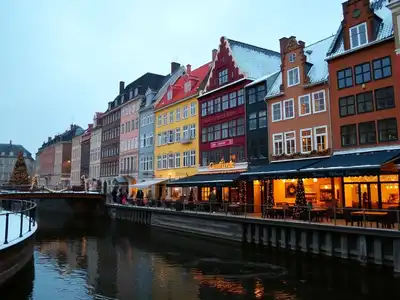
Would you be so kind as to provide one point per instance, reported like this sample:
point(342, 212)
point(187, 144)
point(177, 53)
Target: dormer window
point(187, 86)
point(136, 92)
point(293, 77)
point(169, 94)
point(292, 57)
point(358, 35)
point(122, 98)
point(130, 94)
point(223, 77)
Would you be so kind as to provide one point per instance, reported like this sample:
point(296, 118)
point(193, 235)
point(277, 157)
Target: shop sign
point(222, 165)
point(362, 172)
point(221, 143)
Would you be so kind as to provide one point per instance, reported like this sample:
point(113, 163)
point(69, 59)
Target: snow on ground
point(14, 229)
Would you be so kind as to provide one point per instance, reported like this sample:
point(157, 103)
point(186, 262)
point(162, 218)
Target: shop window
point(367, 133)
point(205, 193)
point(304, 105)
point(345, 78)
point(321, 138)
point(253, 121)
point(387, 130)
point(348, 135)
point(306, 140)
point(382, 68)
point(277, 144)
point(384, 98)
point(365, 102)
point(362, 73)
point(290, 142)
point(347, 106)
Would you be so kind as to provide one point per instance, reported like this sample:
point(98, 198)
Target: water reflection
point(97, 259)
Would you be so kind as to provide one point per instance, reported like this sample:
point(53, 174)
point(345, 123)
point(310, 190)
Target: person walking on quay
point(139, 197)
point(114, 194)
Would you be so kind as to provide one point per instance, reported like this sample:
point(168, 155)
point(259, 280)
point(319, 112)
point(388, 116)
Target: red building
point(222, 109)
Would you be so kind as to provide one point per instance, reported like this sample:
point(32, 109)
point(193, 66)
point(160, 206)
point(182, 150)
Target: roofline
point(222, 87)
point(273, 96)
point(323, 81)
point(360, 48)
point(177, 102)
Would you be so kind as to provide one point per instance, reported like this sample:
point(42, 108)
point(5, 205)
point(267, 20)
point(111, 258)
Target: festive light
point(301, 201)
point(19, 175)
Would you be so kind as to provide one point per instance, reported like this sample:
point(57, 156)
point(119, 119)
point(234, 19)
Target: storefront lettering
point(222, 165)
point(221, 143)
point(338, 174)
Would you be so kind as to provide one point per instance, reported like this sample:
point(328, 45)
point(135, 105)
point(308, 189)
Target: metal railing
point(14, 211)
point(339, 216)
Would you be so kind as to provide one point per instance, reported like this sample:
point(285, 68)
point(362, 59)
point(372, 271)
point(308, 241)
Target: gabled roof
point(383, 31)
point(197, 75)
point(254, 61)
point(275, 88)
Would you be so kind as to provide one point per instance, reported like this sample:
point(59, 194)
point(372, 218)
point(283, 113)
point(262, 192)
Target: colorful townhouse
point(222, 116)
point(95, 147)
point(129, 125)
point(176, 131)
point(85, 151)
point(147, 181)
point(394, 5)
point(298, 122)
point(76, 160)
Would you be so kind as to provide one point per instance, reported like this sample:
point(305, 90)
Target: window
point(240, 96)
point(240, 126)
point(362, 73)
point(306, 140)
point(367, 133)
point(210, 133)
point(358, 35)
point(276, 112)
point(210, 107)
point(192, 159)
point(384, 98)
point(171, 117)
point(164, 161)
point(178, 114)
point(177, 160)
point(217, 132)
point(232, 128)
point(252, 95)
point(318, 99)
point(290, 142)
point(185, 112)
point(321, 138)
point(345, 78)
point(260, 92)
point(225, 102)
point(186, 156)
point(223, 77)
point(304, 105)
point(292, 57)
point(185, 132)
point(204, 135)
point(293, 77)
point(187, 86)
point(382, 68)
point(347, 106)
point(203, 109)
point(253, 121)
point(171, 136)
point(232, 100)
point(288, 109)
point(387, 130)
point(217, 105)
point(225, 130)
point(349, 135)
point(277, 144)
point(365, 102)
point(192, 131)
point(171, 161)
point(177, 134)
point(192, 109)
point(262, 119)
point(169, 94)
point(159, 139)
point(165, 119)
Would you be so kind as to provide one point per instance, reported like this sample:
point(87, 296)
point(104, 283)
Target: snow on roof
point(254, 61)
point(316, 54)
point(262, 78)
point(275, 88)
point(384, 31)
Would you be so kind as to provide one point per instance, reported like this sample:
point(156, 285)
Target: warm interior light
point(315, 179)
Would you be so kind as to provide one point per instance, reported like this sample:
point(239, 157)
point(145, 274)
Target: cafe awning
point(277, 170)
point(120, 179)
point(225, 179)
point(148, 183)
point(354, 164)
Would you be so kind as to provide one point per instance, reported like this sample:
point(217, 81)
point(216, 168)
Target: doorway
point(368, 195)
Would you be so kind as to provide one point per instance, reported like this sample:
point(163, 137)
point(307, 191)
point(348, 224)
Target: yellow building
point(176, 153)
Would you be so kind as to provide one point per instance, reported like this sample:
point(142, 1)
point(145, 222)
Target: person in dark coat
point(114, 194)
point(139, 197)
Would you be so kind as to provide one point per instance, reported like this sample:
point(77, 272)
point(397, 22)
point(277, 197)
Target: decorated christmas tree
point(270, 194)
point(191, 195)
point(301, 202)
point(19, 175)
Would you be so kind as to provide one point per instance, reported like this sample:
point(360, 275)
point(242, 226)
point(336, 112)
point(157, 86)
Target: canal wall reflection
point(102, 259)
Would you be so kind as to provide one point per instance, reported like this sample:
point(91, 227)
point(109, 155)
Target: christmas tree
point(191, 195)
point(301, 202)
point(19, 175)
point(270, 194)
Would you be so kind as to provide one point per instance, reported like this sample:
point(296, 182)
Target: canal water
point(101, 259)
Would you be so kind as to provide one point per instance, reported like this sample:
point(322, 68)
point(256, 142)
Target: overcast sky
point(61, 61)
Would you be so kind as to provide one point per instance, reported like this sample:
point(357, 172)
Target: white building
point(76, 160)
point(95, 145)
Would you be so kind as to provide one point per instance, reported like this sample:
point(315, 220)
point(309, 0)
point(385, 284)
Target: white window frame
point(301, 139)
point(169, 94)
point(358, 35)
point(185, 112)
point(288, 77)
point(272, 111)
point(294, 138)
point(192, 109)
point(284, 111)
point(178, 114)
point(309, 104)
point(292, 57)
point(273, 144)
point(313, 102)
point(326, 135)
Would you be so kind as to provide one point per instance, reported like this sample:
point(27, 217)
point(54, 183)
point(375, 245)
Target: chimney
point(174, 67)
point(71, 127)
point(188, 69)
point(121, 87)
point(283, 42)
point(214, 54)
point(49, 139)
point(10, 142)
